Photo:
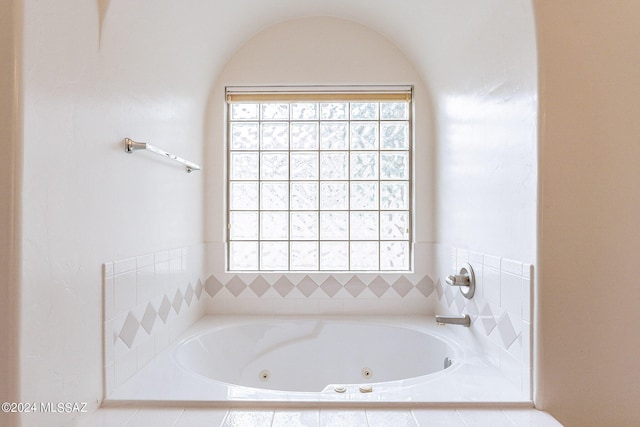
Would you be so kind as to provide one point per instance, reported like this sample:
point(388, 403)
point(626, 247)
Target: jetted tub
point(227, 360)
point(313, 355)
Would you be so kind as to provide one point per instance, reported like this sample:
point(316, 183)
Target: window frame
point(292, 95)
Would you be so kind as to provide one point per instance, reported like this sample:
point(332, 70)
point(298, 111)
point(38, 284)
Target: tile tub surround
point(500, 310)
point(149, 301)
point(320, 293)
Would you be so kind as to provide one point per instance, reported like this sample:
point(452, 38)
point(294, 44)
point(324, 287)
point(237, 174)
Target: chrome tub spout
point(461, 319)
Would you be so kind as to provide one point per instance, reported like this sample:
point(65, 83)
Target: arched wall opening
point(320, 51)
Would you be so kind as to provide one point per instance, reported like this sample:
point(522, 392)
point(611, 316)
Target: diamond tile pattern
point(439, 289)
point(402, 286)
point(199, 289)
point(129, 330)
point(149, 318)
point(355, 286)
point(259, 286)
point(188, 295)
point(488, 321)
point(212, 285)
point(131, 326)
point(379, 286)
point(236, 285)
point(165, 308)
point(307, 286)
point(425, 286)
point(177, 301)
point(283, 286)
point(331, 286)
point(505, 328)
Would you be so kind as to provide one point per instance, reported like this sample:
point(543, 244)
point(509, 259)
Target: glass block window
point(319, 181)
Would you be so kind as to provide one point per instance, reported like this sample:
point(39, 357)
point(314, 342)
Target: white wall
point(589, 245)
point(9, 204)
point(88, 83)
point(487, 139)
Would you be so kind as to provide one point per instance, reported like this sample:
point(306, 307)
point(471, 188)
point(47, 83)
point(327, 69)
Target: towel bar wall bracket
point(130, 146)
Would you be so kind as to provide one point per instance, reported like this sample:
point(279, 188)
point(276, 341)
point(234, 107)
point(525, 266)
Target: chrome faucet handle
point(465, 280)
point(457, 280)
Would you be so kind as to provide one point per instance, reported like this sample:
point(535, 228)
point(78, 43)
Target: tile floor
point(132, 417)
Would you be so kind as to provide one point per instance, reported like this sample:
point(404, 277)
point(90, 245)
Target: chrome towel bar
point(130, 146)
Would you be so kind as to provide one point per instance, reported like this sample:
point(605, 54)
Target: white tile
point(515, 349)
point(462, 255)
point(124, 265)
point(107, 417)
point(484, 418)
point(109, 302)
point(107, 269)
point(304, 418)
point(162, 338)
point(145, 283)
point(175, 253)
point(124, 292)
point(119, 347)
point(531, 418)
point(344, 418)
point(151, 417)
point(476, 258)
point(146, 352)
point(491, 286)
point(241, 418)
point(109, 378)
point(145, 260)
point(125, 366)
point(492, 261)
point(506, 329)
point(526, 299)
point(511, 368)
point(386, 418)
point(453, 262)
point(161, 256)
point(527, 345)
point(175, 266)
point(438, 418)
point(527, 381)
point(201, 418)
point(511, 266)
point(108, 342)
point(511, 294)
point(163, 276)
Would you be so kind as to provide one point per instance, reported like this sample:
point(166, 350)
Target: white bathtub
point(226, 359)
point(308, 355)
